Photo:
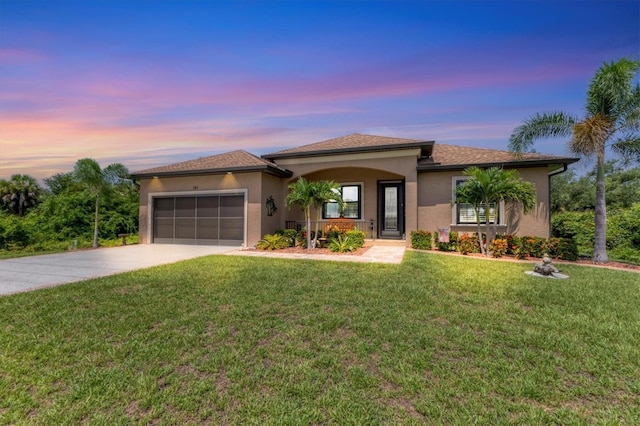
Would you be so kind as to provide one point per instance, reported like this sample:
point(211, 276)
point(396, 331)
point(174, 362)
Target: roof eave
point(342, 151)
point(275, 171)
point(519, 164)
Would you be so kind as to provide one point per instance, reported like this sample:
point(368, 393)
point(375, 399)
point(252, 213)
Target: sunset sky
point(147, 83)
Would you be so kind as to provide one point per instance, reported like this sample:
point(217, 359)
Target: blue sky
point(147, 83)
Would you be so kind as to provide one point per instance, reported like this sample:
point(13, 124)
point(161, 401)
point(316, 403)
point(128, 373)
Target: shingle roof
point(237, 161)
point(459, 157)
point(355, 142)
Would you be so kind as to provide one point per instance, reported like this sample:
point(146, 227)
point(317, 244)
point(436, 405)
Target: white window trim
point(361, 184)
point(454, 205)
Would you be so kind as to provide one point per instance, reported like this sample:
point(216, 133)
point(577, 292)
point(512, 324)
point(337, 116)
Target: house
point(391, 186)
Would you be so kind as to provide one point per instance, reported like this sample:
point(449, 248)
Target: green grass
point(53, 247)
point(244, 340)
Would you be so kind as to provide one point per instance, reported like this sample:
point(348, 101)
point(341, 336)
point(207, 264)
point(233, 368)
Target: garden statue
point(546, 269)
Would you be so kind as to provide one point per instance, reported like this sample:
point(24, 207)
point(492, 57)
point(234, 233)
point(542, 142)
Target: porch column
point(411, 207)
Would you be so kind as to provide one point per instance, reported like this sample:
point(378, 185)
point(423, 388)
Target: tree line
point(77, 208)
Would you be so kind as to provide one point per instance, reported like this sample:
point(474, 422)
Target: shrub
point(290, 234)
point(356, 236)
point(451, 245)
point(562, 248)
point(421, 240)
point(468, 244)
point(498, 247)
point(342, 244)
point(273, 242)
point(625, 254)
point(518, 247)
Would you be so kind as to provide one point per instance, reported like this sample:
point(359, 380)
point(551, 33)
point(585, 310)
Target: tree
point(612, 119)
point(323, 191)
point(19, 193)
point(492, 186)
point(300, 194)
point(577, 194)
point(98, 182)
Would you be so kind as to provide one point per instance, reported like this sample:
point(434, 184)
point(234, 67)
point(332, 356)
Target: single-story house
point(391, 186)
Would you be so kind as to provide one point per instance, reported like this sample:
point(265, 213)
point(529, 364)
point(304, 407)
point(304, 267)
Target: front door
point(391, 209)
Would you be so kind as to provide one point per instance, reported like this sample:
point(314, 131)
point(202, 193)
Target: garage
point(212, 219)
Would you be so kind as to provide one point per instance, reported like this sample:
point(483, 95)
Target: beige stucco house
point(391, 186)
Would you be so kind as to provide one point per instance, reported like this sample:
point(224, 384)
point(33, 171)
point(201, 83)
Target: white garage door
point(202, 220)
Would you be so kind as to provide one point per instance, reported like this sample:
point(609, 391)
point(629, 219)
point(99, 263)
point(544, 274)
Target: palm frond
point(590, 135)
point(611, 87)
point(540, 126)
point(628, 147)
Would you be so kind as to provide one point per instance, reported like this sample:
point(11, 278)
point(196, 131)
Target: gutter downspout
point(565, 167)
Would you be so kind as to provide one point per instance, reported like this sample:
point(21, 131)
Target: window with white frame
point(352, 198)
point(465, 214)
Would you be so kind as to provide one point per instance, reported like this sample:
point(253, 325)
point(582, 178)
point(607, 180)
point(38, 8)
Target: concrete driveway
point(33, 272)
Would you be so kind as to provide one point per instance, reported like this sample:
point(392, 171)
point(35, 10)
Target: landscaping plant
point(273, 242)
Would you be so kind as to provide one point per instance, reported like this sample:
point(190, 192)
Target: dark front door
point(391, 209)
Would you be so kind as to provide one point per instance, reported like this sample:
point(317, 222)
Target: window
point(352, 197)
point(464, 213)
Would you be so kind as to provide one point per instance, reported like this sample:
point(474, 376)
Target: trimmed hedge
point(421, 240)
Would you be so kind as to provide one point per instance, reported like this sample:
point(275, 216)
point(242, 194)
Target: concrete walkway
point(33, 272)
point(376, 254)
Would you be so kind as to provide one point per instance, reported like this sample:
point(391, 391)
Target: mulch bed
point(326, 251)
point(367, 246)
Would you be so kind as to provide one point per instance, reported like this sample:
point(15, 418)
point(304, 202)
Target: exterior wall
point(277, 188)
point(365, 168)
point(435, 205)
point(251, 182)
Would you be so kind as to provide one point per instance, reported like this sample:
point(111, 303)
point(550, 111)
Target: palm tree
point(492, 186)
point(19, 193)
point(98, 182)
point(323, 191)
point(612, 119)
point(301, 194)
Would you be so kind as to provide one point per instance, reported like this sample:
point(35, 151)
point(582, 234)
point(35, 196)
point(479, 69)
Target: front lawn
point(246, 340)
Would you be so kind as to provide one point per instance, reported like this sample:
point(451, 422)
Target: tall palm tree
point(612, 119)
point(98, 182)
point(19, 193)
point(323, 191)
point(492, 186)
point(301, 194)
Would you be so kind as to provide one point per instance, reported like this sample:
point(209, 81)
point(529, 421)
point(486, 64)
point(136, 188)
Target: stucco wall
point(251, 182)
point(365, 168)
point(275, 187)
point(435, 208)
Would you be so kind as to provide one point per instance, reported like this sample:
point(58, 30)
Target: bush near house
point(273, 242)
point(468, 243)
point(520, 247)
point(345, 241)
point(290, 234)
point(421, 240)
point(452, 245)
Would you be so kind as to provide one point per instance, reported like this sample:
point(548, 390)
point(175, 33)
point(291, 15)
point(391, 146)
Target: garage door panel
point(231, 229)
point(185, 228)
point(208, 207)
point(202, 220)
point(186, 207)
point(208, 229)
point(232, 206)
point(164, 228)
